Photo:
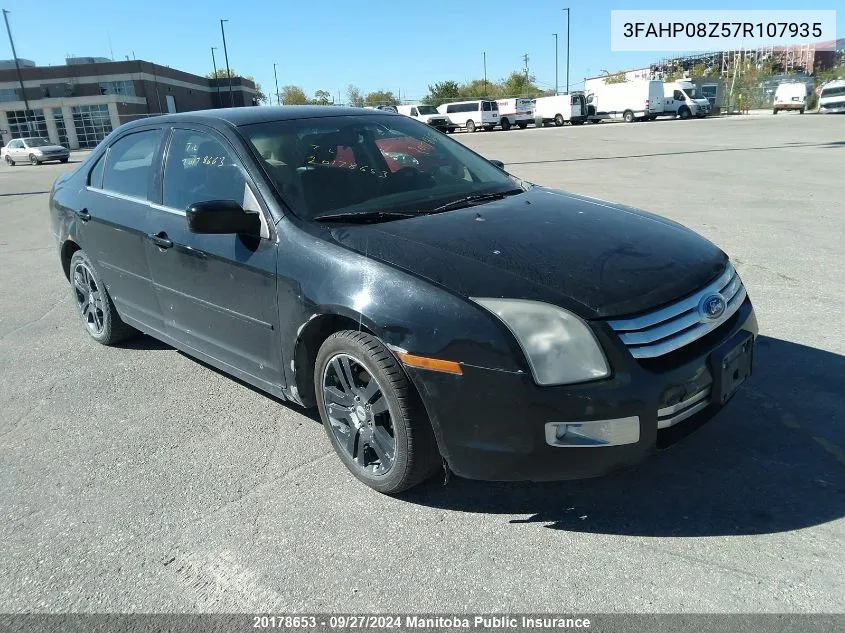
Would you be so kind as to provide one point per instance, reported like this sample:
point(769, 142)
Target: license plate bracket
point(730, 366)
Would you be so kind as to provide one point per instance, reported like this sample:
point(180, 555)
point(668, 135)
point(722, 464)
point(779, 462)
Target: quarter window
point(95, 176)
point(128, 163)
point(200, 168)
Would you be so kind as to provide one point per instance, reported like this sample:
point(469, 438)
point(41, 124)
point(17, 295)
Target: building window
point(22, 126)
point(125, 88)
point(8, 94)
point(92, 123)
point(59, 118)
point(57, 91)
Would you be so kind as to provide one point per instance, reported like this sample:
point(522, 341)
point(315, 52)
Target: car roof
point(255, 114)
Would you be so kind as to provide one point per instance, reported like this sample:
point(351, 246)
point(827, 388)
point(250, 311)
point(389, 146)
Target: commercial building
point(79, 103)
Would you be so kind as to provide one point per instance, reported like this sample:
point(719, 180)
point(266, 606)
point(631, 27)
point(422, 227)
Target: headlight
point(561, 349)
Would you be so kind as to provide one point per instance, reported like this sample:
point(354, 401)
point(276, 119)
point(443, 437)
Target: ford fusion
point(435, 309)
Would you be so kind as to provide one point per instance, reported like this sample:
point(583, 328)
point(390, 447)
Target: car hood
point(592, 257)
point(51, 148)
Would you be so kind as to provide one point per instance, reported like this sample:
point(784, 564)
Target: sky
point(399, 45)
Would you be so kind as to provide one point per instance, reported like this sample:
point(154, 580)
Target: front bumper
point(494, 425)
point(54, 156)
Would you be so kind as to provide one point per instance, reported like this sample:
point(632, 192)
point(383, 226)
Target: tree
point(381, 97)
point(353, 95)
point(293, 95)
point(441, 92)
point(518, 84)
point(322, 97)
point(260, 96)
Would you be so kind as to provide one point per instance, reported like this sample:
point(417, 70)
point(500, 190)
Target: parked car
point(433, 310)
point(472, 115)
point(427, 114)
point(832, 97)
point(35, 150)
point(790, 96)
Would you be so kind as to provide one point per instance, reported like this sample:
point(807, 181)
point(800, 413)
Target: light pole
point(556, 90)
point(567, 50)
point(228, 72)
point(485, 72)
point(18, 68)
point(216, 78)
point(276, 77)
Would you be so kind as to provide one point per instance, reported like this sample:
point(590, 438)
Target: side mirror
point(498, 163)
point(222, 217)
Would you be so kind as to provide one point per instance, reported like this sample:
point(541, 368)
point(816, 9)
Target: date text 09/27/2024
point(351, 622)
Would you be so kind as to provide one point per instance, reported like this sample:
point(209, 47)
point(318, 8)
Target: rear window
point(128, 163)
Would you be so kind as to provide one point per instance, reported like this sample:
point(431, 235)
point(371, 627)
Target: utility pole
point(567, 50)
point(18, 68)
point(556, 90)
point(525, 61)
point(276, 77)
point(485, 72)
point(228, 72)
point(216, 78)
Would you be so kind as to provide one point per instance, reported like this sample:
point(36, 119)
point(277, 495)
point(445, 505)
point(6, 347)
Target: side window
point(485, 106)
point(678, 95)
point(450, 109)
point(95, 176)
point(128, 163)
point(200, 168)
point(494, 106)
point(414, 112)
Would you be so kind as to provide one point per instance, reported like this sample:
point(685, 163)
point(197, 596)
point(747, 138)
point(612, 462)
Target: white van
point(790, 96)
point(427, 114)
point(641, 99)
point(515, 112)
point(682, 99)
point(560, 109)
point(472, 115)
point(832, 97)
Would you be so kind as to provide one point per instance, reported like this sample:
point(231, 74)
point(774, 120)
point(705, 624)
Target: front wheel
point(774, 110)
point(628, 117)
point(559, 120)
point(684, 113)
point(63, 160)
point(93, 303)
point(506, 125)
point(33, 159)
point(372, 414)
point(489, 128)
point(522, 125)
point(470, 126)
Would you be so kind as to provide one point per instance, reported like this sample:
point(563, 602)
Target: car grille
point(665, 330)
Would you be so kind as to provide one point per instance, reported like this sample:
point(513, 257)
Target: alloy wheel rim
point(89, 299)
point(359, 416)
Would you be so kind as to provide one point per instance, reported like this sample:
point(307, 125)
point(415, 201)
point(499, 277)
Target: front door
point(217, 292)
point(112, 225)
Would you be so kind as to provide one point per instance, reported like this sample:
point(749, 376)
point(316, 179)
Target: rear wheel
point(801, 111)
point(63, 160)
point(470, 126)
point(372, 414)
point(93, 303)
point(774, 110)
point(559, 120)
point(506, 125)
point(628, 116)
point(9, 160)
point(33, 159)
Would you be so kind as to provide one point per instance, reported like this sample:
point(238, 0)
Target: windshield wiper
point(467, 201)
point(365, 216)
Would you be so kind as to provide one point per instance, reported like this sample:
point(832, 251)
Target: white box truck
point(630, 100)
point(515, 112)
point(682, 99)
point(560, 109)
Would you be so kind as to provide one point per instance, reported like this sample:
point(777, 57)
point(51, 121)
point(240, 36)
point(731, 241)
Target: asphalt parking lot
point(137, 479)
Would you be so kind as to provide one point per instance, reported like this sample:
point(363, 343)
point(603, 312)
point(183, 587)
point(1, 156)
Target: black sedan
point(438, 311)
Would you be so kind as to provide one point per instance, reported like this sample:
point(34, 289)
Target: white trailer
point(630, 100)
point(515, 112)
point(560, 109)
point(681, 99)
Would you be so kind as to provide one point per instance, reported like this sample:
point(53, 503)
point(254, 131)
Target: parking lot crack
point(33, 321)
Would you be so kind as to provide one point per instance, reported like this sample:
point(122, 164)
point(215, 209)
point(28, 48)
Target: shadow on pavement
point(771, 461)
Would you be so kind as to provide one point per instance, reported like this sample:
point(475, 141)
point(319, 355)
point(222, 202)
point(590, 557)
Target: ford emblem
point(712, 307)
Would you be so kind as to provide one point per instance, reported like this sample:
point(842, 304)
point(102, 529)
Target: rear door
point(217, 292)
point(112, 224)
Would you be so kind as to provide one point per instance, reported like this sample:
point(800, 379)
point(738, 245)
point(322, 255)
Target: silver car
point(35, 150)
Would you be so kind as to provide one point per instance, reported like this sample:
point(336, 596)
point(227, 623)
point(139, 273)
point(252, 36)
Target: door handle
point(160, 239)
point(82, 214)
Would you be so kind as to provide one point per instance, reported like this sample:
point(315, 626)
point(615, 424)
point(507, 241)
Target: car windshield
point(692, 93)
point(427, 109)
point(834, 91)
point(369, 163)
point(37, 142)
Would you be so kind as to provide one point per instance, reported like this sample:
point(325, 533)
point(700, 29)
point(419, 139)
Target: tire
point(506, 125)
point(684, 113)
point(470, 126)
point(628, 116)
point(33, 159)
point(522, 125)
point(774, 110)
point(801, 111)
point(489, 128)
point(101, 321)
point(346, 365)
point(9, 161)
point(63, 160)
point(558, 120)
point(575, 122)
